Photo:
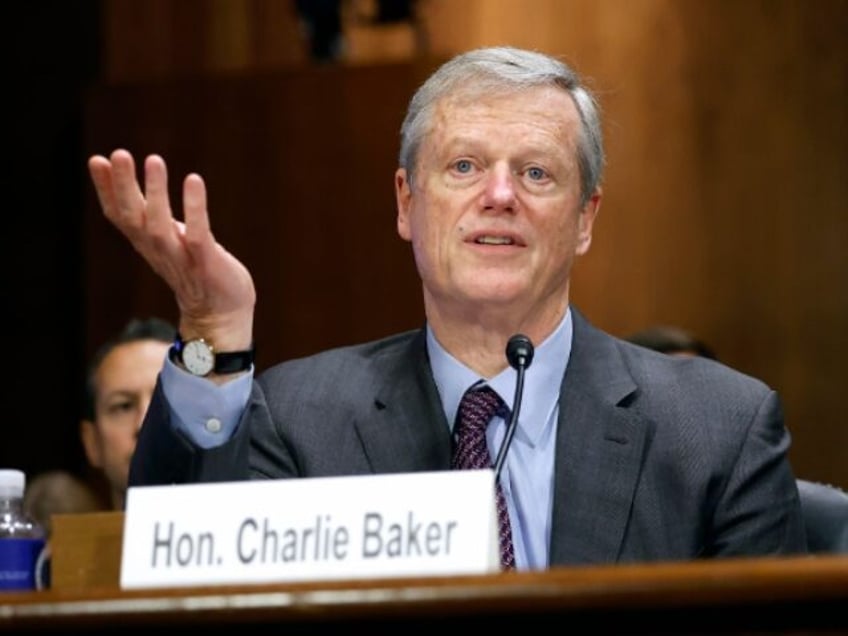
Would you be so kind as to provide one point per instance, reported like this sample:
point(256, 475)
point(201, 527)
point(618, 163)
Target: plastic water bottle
point(22, 539)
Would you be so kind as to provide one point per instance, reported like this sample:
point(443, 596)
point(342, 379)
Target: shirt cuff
point(205, 412)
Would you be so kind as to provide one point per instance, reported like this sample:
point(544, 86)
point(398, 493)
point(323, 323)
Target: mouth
point(496, 239)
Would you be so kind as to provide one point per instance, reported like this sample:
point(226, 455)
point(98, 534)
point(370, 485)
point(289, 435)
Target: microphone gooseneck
point(519, 354)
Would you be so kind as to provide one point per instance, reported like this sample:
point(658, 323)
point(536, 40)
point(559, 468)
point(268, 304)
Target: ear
point(403, 196)
point(587, 221)
point(91, 443)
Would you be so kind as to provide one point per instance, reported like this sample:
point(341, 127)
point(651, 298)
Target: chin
point(495, 294)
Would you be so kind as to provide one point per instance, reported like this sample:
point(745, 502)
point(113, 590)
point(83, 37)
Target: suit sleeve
point(164, 456)
point(759, 510)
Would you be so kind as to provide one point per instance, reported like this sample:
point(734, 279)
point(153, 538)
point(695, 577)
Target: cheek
point(560, 236)
point(119, 439)
point(559, 245)
point(424, 228)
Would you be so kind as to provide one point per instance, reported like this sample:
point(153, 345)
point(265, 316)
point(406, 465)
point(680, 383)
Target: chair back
point(825, 510)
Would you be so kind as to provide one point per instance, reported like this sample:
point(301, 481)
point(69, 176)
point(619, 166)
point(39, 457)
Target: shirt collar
point(542, 380)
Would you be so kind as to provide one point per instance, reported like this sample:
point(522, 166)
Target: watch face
point(198, 357)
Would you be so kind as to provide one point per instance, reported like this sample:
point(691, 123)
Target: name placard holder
point(370, 526)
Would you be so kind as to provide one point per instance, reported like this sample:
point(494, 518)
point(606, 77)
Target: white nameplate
point(410, 524)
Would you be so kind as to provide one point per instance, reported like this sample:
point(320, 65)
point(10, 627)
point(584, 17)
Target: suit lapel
point(599, 448)
point(404, 428)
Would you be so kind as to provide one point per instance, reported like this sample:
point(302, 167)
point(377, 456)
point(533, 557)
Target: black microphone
point(519, 353)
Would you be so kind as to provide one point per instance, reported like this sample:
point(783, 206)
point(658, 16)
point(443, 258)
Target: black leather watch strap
point(234, 361)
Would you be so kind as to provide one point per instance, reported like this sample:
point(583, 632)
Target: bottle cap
point(12, 483)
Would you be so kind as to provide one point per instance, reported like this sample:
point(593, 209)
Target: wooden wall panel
point(166, 38)
point(299, 172)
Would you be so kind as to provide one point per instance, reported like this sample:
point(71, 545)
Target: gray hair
point(504, 69)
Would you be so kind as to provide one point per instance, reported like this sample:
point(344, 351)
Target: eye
point(463, 166)
point(536, 174)
point(120, 407)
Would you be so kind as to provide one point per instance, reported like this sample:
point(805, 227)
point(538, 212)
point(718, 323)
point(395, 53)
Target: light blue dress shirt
point(209, 414)
point(527, 476)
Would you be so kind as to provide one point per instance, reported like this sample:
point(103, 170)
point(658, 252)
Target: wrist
point(225, 332)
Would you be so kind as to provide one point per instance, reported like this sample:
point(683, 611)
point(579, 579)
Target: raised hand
point(214, 290)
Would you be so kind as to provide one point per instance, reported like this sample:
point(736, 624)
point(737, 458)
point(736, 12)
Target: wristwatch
point(200, 358)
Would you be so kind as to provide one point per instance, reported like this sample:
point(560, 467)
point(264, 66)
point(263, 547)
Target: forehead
point(130, 363)
point(533, 113)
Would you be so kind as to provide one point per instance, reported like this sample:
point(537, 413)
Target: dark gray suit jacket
point(657, 458)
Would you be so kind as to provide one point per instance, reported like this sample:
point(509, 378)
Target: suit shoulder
point(690, 375)
point(339, 362)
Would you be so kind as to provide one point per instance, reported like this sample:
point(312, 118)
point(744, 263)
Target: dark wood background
point(726, 208)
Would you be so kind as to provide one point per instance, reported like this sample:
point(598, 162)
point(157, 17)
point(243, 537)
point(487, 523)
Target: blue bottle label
point(17, 563)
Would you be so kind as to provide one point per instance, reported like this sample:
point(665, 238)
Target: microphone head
point(519, 351)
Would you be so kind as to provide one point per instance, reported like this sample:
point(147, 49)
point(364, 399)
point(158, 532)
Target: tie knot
point(478, 406)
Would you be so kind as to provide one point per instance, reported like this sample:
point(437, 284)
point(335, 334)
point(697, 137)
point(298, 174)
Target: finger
point(101, 175)
point(198, 233)
point(129, 201)
point(159, 216)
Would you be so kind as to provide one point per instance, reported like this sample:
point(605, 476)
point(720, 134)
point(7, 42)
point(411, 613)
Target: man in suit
point(621, 454)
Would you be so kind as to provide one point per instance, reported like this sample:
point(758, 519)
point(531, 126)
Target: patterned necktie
point(476, 410)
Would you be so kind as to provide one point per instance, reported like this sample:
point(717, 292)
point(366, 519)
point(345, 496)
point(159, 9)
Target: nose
point(500, 195)
point(144, 404)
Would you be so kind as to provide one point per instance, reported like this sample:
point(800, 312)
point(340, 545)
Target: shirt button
point(213, 425)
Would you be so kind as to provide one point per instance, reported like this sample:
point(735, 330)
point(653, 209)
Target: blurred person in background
point(58, 492)
point(119, 384)
point(672, 340)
